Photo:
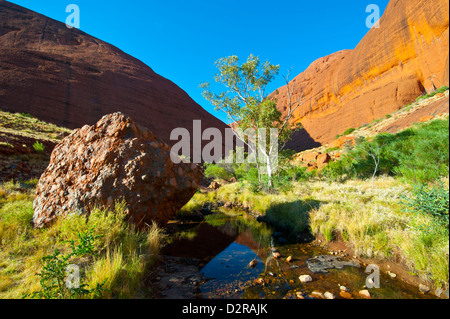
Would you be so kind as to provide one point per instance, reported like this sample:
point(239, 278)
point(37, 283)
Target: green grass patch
point(121, 254)
point(427, 96)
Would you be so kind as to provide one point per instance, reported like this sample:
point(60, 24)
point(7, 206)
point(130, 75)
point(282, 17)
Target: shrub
point(423, 152)
point(26, 115)
point(38, 147)
point(252, 177)
point(349, 130)
point(329, 150)
point(55, 283)
point(418, 154)
point(432, 201)
point(346, 132)
point(216, 171)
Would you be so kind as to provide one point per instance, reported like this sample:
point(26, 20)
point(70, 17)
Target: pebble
point(438, 292)
point(276, 255)
point(305, 278)
point(345, 294)
point(289, 259)
point(343, 288)
point(424, 289)
point(329, 295)
point(391, 274)
point(300, 295)
point(317, 294)
point(365, 294)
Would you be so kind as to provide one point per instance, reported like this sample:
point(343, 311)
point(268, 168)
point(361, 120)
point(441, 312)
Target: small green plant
point(432, 201)
point(426, 96)
point(332, 149)
point(54, 280)
point(442, 89)
point(346, 132)
point(26, 115)
point(349, 130)
point(38, 147)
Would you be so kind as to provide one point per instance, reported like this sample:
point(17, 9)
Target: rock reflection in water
point(229, 272)
point(224, 244)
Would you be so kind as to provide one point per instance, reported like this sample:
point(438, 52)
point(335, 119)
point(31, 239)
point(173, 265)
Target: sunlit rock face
point(111, 161)
point(388, 69)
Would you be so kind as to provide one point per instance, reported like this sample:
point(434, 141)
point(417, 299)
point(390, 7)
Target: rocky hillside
point(389, 68)
point(25, 145)
point(423, 110)
point(69, 78)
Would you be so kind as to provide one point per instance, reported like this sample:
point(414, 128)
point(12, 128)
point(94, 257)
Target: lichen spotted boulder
point(111, 161)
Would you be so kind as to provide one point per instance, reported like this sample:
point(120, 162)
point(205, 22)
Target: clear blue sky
point(182, 39)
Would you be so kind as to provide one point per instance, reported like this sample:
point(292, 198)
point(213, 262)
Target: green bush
point(346, 132)
point(281, 182)
point(26, 115)
point(418, 154)
point(38, 147)
point(349, 130)
point(432, 201)
point(252, 177)
point(54, 276)
point(216, 171)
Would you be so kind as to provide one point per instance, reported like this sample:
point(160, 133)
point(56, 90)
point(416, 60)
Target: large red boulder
point(115, 159)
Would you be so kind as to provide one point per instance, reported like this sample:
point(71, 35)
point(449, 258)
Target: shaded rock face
point(69, 78)
point(388, 69)
point(113, 160)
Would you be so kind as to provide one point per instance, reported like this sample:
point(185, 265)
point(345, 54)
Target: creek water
point(227, 241)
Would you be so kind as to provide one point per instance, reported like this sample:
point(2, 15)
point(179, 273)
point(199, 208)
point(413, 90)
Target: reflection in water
point(225, 244)
point(230, 271)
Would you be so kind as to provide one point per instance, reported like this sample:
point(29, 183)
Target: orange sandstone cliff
point(389, 68)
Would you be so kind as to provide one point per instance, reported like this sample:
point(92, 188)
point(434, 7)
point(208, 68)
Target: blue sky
point(181, 39)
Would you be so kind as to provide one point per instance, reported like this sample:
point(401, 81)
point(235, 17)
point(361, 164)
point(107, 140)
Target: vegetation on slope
point(119, 259)
point(22, 124)
point(417, 154)
point(387, 198)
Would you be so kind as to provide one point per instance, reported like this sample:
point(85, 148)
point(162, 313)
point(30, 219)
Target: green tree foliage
point(245, 102)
